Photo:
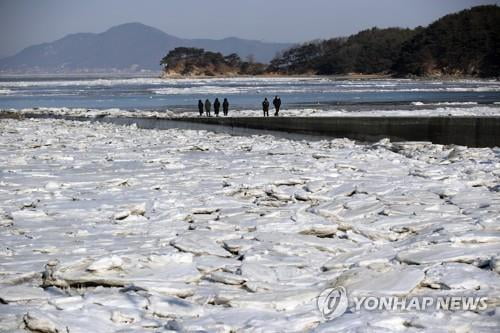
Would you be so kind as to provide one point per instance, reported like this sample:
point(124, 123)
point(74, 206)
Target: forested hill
point(185, 61)
point(370, 51)
point(465, 43)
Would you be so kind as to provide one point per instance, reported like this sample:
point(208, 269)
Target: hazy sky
point(27, 22)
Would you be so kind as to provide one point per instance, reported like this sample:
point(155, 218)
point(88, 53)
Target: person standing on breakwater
point(225, 106)
point(208, 106)
point(277, 105)
point(200, 107)
point(265, 107)
point(216, 107)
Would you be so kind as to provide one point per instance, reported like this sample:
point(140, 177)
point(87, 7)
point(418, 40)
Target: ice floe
point(109, 228)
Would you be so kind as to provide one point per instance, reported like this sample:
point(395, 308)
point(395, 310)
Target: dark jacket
point(200, 106)
point(208, 105)
point(225, 105)
point(265, 105)
point(216, 105)
point(277, 102)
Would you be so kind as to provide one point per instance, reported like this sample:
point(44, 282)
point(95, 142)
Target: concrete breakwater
point(466, 130)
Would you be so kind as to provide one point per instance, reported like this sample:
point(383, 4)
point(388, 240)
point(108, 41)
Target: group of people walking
point(276, 103)
point(207, 107)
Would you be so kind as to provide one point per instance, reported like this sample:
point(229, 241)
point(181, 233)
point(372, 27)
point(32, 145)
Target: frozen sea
point(107, 228)
point(323, 93)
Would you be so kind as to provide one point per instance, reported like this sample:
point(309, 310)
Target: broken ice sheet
point(382, 279)
point(462, 276)
point(193, 230)
point(200, 245)
point(446, 252)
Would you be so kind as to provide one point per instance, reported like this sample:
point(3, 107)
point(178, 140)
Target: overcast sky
point(27, 22)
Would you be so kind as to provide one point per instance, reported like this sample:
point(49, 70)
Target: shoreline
point(160, 75)
point(336, 77)
point(470, 131)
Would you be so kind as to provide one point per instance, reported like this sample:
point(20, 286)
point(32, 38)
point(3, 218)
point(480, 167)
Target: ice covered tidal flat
point(107, 228)
point(244, 93)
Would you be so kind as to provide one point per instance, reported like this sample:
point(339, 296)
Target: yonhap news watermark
point(334, 302)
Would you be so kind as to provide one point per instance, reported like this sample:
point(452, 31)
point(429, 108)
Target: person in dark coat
point(225, 106)
point(277, 105)
point(208, 106)
point(265, 107)
point(200, 107)
point(216, 107)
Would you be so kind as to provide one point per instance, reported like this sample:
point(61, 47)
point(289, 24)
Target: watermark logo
point(425, 303)
point(332, 302)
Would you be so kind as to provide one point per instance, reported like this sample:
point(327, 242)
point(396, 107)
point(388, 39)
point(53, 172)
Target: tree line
point(466, 43)
point(194, 61)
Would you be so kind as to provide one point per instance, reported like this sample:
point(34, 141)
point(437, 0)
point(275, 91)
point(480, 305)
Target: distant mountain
point(127, 47)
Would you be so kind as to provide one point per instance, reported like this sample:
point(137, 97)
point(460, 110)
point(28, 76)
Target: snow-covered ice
point(431, 110)
point(107, 228)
